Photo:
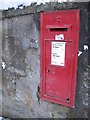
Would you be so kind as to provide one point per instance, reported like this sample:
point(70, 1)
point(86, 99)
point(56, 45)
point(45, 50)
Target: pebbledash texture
point(21, 64)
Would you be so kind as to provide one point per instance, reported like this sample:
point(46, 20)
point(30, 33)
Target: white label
point(58, 53)
point(59, 37)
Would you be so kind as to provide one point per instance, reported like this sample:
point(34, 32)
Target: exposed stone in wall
point(21, 56)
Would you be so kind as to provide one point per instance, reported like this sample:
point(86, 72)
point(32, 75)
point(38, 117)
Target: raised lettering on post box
point(58, 56)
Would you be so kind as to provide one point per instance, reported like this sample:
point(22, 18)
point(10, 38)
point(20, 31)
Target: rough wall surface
point(0, 62)
point(21, 55)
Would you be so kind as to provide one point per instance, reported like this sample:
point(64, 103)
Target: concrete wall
point(21, 56)
point(0, 62)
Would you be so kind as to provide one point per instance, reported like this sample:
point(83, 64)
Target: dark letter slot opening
point(58, 29)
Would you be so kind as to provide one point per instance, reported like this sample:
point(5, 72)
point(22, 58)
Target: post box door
point(59, 55)
point(59, 58)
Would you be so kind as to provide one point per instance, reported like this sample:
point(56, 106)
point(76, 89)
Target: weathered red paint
point(58, 83)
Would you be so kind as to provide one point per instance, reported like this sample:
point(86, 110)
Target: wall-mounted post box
point(59, 55)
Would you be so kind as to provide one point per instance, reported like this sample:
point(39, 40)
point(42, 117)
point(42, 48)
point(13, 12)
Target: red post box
point(59, 37)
